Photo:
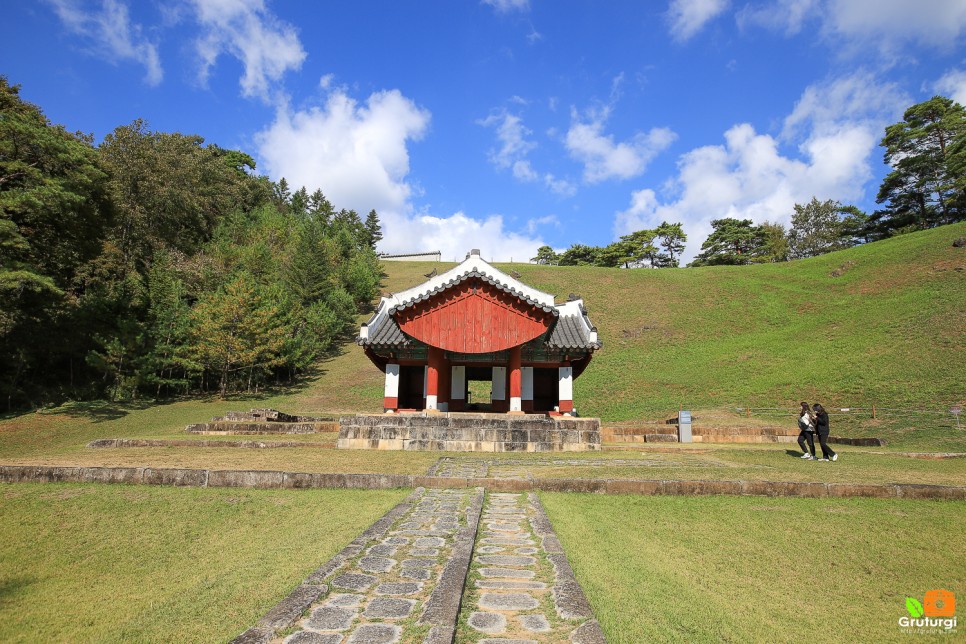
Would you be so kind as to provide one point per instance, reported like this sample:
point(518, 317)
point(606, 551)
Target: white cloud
point(455, 235)
point(561, 187)
point(953, 85)
point(515, 145)
point(604, 159)
point(112, 34)
point(836, 126)
point(784, 15)
point(512, 136)
point(355, 153)
point(266, 46)
point(506, 6)
point(688, 17)
point(533, 225)
point(857, 25)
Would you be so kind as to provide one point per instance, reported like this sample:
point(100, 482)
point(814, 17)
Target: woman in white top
point(806, 423)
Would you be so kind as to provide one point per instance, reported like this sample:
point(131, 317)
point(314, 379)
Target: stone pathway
point(405, 580)
point(459, 468)
point(521, 588)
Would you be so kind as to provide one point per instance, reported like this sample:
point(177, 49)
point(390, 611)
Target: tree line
point(155, 265)
point(926, 187)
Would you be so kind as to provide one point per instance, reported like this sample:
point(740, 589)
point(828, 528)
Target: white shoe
point(835, 457)
point(806, 455)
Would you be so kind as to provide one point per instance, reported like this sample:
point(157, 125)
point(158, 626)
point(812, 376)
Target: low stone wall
point(460, 432)
point(304, 480)
point(242, 428)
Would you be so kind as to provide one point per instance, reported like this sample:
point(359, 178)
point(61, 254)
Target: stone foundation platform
point(462, 432)
point(263, 421)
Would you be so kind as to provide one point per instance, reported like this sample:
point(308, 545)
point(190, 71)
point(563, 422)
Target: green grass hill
point(883, 324)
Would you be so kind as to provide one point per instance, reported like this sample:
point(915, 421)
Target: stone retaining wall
point(461, 432)
point(296, 480)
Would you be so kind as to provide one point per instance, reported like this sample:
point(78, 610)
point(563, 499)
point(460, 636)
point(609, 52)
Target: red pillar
point(432, 377)
point(516, 389)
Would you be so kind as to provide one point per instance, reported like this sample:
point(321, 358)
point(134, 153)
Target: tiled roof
point(573, 329)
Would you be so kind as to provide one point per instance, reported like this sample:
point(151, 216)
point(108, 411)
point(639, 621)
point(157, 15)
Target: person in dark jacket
point(821, 428)
point(806, 426)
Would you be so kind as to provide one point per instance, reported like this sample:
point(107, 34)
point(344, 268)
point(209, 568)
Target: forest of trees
point(926, 187)
point(155, 265)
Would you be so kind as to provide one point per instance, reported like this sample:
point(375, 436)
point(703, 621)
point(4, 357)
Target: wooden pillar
point(432, 378)
point(515, 381)
point(390, 400)
point(565, 387)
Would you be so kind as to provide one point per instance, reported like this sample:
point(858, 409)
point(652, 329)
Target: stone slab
point(508, 601)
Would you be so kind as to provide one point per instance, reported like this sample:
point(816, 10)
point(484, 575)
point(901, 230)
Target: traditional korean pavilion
point(476, 323)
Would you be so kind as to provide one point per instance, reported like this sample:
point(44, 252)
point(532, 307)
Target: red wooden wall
point(474, 317)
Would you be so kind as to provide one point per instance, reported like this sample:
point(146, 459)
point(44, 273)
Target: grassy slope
point(888, 331)
point(711, 569)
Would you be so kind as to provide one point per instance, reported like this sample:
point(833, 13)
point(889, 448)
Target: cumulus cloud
point(455, 235)
point(855, 25)
point(266, 46)
point(111, 34)
point(515, 144)
point(953, 85)
point(355, 153)
point(688, 17)
point(603, 158)
point(506, 6)
point(835, 127)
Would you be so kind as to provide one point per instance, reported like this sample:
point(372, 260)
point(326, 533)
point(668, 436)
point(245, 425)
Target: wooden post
point(873, 411)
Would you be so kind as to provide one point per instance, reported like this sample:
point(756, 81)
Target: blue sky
point(508, 124)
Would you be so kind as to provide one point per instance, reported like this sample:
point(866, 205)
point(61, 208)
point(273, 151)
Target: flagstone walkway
point(405, 580)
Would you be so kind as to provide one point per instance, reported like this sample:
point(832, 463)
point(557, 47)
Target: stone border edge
point(268, 479)
point(569, 599)
point(442, 608)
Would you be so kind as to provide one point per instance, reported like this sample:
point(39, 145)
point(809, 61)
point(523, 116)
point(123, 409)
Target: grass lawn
point(774, 463)
point(703, 569)
point(111, 563)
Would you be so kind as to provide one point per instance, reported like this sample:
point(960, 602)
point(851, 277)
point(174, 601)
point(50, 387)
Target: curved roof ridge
point(472, 266)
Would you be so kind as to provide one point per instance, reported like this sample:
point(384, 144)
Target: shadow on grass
point(794, 452)
point(13, 586)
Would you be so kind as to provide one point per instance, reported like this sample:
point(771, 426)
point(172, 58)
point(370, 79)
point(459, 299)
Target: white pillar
point(392, 381)
point(499, 384)
point(458, 383)
point(526, 374)
point(391, 392)
point(565, 389)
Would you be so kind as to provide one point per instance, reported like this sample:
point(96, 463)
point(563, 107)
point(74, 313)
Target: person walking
point(821, 428)
point(806, 425)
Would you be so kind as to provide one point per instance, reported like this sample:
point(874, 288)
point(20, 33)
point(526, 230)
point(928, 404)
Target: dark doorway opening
point(411, 387)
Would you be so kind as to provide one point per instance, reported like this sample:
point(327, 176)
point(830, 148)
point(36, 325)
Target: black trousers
point(826, 450)
point(807, 436)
